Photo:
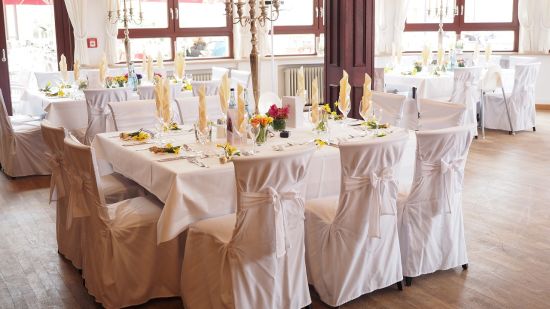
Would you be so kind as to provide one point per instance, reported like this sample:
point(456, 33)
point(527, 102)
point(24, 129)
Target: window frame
point(317, 28)
point(459, 25)
point(173, 32)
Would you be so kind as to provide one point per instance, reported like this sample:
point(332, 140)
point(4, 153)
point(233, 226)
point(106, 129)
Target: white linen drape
point(77, 14)
point(111, 32)
point(390, 19)
point(534, 19)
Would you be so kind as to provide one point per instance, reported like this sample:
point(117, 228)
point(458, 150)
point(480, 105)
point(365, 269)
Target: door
point(349, 45)
point(4, 69)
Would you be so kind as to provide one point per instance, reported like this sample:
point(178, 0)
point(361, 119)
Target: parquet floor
point(507, 220)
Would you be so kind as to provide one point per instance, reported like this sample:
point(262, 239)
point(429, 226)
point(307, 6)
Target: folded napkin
point(475, 56)
point(314, 101)
point(367, 95)
point(149, 68)
point(301, 91)
point(488, 52)
point(224, 93)
point(160, 60)
point(203, 123)
point(103, 69)
point(63, 68)
point(162, 100)
point(345, 90)
point(76, 70)
point(179, 63)
point(440, 55)
point(425, 55)
point(241, 111)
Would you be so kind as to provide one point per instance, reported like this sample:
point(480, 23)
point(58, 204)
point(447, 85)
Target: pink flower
point(278, 113)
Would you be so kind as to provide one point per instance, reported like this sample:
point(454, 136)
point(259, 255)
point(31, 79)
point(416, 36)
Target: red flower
point(278, 113)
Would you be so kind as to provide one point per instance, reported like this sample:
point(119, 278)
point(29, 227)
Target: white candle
point(140, 7)
point(110, 5)
point(131, 6)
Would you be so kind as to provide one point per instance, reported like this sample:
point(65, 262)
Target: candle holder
point(442, 10)
point(126, 16)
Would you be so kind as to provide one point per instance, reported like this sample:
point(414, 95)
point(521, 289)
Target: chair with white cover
point(189, 109)
point(391, 107)
point(96, 103)
point(240, 77)
point(352, 246)
point(431, 229)
point(218, 73)
point(439, 115)
point(133, 115)
point(466, 91)
point(146, 92)
point(516, 111)
point(254, 258)
point(22, 148)
point(122, 263)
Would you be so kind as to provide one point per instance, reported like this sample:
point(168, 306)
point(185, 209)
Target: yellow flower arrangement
point(136, 136)
point(168, 148)
point(228, 152)
point(261, 120)
point(320, 143)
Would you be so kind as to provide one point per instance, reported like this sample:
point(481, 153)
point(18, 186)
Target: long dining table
point(191, 193)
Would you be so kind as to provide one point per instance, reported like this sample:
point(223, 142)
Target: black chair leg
point(534, 129)
point(308, 307)
point(465, 266)
point(400, 286)
point(408, 281)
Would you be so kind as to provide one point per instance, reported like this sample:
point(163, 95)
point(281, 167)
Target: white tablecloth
point(191, 193)
point(432, 86)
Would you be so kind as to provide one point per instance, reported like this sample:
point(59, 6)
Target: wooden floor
point(507, 221)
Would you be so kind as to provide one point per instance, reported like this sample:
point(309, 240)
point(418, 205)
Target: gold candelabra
point(254, 20)
point(123, 12)
point(441, 11)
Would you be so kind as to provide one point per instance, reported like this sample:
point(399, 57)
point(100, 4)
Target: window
point(200, 28)
point(475, 22)
point(299, 28)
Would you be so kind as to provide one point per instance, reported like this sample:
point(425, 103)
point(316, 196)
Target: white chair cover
point(122, 263)
point(521, 102)
point(96, 102)
point(436, 115)
point(189, 109)
point(431, 230)
point(218, 73)
point(211, 86)
point(466, 91)
point(240, 77)
point(22, 148)
point(391, 105)
point(352, 247)
point(255, 258)
point(147, 92)
point(133, 115)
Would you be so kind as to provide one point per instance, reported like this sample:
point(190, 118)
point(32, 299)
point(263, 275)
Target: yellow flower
point(326, 107)
point(320, 143)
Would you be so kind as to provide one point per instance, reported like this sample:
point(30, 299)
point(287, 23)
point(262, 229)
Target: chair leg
point(308, 307)
point(465, 266)
point(534, 129)
point(400, 286)
point(408, 281)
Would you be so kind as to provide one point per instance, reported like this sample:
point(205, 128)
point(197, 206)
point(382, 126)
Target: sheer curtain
point(111, 32)
point(534, 19)
point(77, 13)
point(390, 19)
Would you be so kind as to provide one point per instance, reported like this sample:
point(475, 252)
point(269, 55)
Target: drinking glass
point(347, 110)
point(365, 113)
point(254, 130)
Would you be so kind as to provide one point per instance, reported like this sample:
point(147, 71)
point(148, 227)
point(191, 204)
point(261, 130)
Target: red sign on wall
point(92, 42)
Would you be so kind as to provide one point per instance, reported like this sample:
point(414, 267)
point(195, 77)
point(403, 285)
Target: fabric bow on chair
point(56, 181)
point(448, 170)
point(379, 182)
point(76, 207)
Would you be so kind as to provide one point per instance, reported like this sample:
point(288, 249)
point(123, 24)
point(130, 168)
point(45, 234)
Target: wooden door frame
point(4, 68)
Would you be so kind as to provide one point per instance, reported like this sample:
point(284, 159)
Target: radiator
point(310, 72)
point(201, 76)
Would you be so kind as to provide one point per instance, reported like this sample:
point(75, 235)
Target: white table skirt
point(433, 86)
point(191, 193)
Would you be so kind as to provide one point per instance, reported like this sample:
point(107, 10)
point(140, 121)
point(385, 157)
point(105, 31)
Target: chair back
point(525, 80)
point(133, 115)
point(146, 92)
point(439, 169)
point(240, 77)
point(388, 107)
point(218, 73)
point(270, 200)
point(54, 138)
point(211, 86)
point(466, 91)
point(368, 186)
point(492, 79)
point(439, 115)
point(189, 108)
point(96, 103)
point(5, 124)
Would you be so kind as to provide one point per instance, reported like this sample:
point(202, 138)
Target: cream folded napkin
point(162, 100)
point(76, 70)
point(301, 90)
point(63, 68)
point(160, 60)
point(488, 52)
point(103, 69)
point(224, 93)
point(149, 69)
point(314, 101)
point(475, 56)
point(241, 121)
point(426, 55)
point(440, 55)
point(367, 95)
point(345, 90)
point(203, 122)
point(179, 63)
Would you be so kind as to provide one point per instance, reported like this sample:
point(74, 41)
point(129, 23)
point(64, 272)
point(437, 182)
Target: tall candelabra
point(254, 20)
point(442, 9)
point(125, 14)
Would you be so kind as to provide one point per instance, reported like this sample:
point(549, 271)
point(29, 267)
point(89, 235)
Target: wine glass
point(315, 120)
point(345, 111)
point(254, 130)
point(364, 112)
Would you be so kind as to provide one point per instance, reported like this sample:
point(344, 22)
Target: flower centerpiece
point(261, 122)
point(228, 152)
point(461, 63)
point(418, 66)
point(279, 115)
point(187, 85)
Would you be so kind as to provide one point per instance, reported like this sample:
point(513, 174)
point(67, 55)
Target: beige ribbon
point(76, 205)
point(448, 169)
point(56, 181)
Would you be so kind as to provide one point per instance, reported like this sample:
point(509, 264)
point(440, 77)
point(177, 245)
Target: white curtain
point(242, 37)
point(77, 13)
point(111, 32)
point(534, 19)
point(390, 16)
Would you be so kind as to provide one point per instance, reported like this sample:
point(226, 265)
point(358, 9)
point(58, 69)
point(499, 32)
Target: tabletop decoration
point(168, 148)
point(461, 63)
point(103, 69)
point(261, 122)
point(83, 84)
point(163, 105)
point(47, 88)
point(179, 64)
point(418, 66)
point(149, 68)
point(63, 68)
point(279, 115)
point(366, 100)
point(228, 152)
point(344, 102)
point(426, 53)
point(186, 85)
point(139, 135)
point(301, 89)
point(139, 77)
point(76, 70)
point(374, 124)
point(160, 60)
point(320, 143)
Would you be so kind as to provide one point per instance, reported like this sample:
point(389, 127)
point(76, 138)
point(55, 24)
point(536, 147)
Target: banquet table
point(426, 85)
point(191, 193)
point(69, 112)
